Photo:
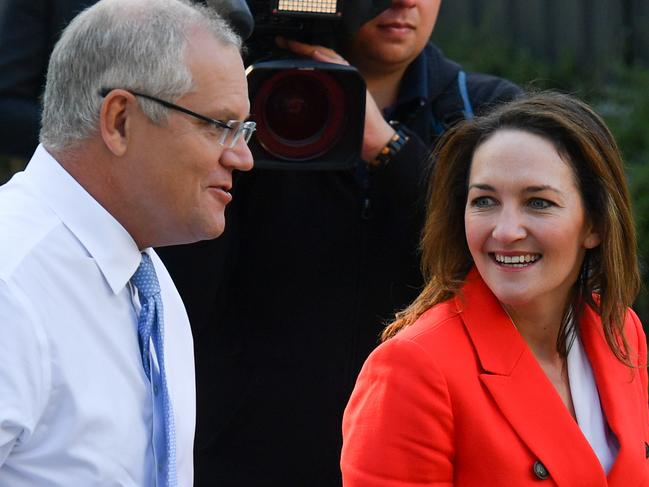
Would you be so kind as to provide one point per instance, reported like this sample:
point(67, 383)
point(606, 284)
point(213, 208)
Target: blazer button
point(646, 449)
point(540, 471)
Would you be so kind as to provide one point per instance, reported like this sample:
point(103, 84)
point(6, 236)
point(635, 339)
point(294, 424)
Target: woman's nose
point(509, 226)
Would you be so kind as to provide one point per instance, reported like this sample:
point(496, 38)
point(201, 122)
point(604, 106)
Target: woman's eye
point(539, 204)
point(483, 202)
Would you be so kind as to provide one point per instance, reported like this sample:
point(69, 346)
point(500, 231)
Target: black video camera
point(310, 115)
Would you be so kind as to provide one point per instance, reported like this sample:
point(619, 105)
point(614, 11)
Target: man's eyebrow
point(225, 114)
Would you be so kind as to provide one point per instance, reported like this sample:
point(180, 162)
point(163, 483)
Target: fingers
point(295, 46)
point(319, 53)
point(329, 56)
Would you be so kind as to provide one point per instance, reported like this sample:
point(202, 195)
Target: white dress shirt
point(588, 409)
point(75, 404)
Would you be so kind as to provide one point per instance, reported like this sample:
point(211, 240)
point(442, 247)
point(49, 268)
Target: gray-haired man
point(143, 125)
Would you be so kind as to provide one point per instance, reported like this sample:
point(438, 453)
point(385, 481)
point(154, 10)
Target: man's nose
point(404, 3)
point(238, 157)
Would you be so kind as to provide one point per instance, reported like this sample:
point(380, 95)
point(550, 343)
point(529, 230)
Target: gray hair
point(137, 45)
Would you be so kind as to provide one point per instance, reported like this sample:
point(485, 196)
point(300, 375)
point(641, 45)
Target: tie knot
point(145, 279)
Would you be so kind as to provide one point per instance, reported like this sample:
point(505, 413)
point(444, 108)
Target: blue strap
point(464, 93)
point(438, 127)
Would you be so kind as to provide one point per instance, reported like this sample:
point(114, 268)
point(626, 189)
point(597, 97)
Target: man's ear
point(114, 121)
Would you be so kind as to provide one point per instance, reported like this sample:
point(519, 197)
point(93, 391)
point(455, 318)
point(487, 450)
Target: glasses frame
point(238, 128)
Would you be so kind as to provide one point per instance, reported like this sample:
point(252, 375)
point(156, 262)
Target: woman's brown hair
point(609, 271)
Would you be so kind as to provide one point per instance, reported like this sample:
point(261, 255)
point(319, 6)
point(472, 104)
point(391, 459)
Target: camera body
point(323, 22)
point(310, 115)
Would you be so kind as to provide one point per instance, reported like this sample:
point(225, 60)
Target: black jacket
point(28, 31)
point(288, 303)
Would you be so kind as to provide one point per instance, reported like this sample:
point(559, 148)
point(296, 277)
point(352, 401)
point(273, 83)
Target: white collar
point(105, 239)
point(588, 409)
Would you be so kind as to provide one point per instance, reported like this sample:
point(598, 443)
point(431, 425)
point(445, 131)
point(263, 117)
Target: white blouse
point(588, 409)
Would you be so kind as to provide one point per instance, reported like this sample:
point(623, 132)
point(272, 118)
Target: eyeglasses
point(231, 131)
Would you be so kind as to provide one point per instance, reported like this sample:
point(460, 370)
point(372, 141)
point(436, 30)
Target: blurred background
point(595, 49)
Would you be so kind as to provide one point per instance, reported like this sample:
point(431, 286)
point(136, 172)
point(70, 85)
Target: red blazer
point(458, 399)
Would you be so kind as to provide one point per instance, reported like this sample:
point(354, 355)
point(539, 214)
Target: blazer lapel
point(523, 393)
point(618, 386)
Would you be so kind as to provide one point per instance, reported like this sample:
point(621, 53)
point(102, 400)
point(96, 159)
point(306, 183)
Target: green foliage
point(623, 101)
point(9, 166)
point(495, 56)
point(639, 176)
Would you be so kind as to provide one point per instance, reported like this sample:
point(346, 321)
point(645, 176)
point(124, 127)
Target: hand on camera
point(377, 131)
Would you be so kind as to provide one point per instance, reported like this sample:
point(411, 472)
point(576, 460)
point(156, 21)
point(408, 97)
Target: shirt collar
point(414, 85)
point(104, 238)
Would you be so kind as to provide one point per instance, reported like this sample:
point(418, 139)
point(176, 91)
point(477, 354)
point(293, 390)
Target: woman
point(520, 360)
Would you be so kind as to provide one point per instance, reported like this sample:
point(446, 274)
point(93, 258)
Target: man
point(314, 264)
point(141, 131)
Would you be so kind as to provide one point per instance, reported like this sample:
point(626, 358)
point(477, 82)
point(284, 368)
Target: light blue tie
point(151, 326)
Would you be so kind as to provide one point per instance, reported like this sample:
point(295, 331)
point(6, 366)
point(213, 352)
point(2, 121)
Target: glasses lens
point(248, 130)
point(234, 134)
point(226, 135)
point(235, 131)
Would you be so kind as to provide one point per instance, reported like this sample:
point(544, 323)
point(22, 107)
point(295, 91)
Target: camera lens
point(297, 109)
point(299, 114)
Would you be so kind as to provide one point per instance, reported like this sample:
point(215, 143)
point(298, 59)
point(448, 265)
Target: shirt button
point(155, 389)
point(540, 471)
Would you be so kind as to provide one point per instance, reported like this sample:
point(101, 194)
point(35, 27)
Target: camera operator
point(286, 307)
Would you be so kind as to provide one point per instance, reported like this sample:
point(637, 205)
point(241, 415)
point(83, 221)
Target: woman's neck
point(539, 328)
